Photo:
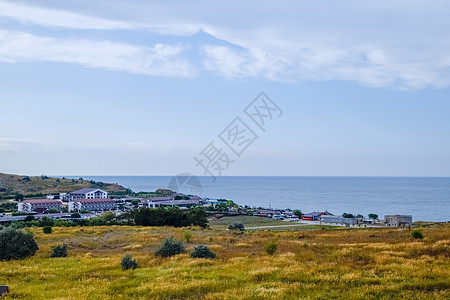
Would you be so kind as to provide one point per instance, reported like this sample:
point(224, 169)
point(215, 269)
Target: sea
point(425, 198)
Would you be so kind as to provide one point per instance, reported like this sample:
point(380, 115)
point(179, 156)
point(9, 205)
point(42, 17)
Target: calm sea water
point(426, 199)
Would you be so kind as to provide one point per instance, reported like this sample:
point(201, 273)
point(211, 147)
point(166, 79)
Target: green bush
point(128, 262)
point(417, 234)
point(271, 248)
point(59, 251)
point(170, 247)
point(47, 229)
point(203, 251)
point(16, 244)
point(238, 226)
point(187, 236)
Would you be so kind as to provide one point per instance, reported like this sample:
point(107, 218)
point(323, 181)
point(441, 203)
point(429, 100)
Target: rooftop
point(87, 190)
point(95, 200)
point(41, 201)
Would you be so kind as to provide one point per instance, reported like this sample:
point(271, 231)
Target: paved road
point(273, 226)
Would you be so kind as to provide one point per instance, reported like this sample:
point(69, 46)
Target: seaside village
point(92, 202)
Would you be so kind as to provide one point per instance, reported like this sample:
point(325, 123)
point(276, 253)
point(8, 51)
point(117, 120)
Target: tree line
point(170, 216)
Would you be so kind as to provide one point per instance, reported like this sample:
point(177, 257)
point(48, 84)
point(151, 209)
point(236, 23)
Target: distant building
point(398, 220)
point(315, 215)
point(98, 204)
point(88, 193)
point(152, 202)
point(39, 205)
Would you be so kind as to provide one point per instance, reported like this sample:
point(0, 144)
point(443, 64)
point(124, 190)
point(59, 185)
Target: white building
point(398, 220)
point(40, 205)
point(99, 204)
point(88, 193)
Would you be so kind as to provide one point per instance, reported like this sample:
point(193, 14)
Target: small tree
point(187, 236)
point(298, 213)
point(46, 221)
point(29, 218)
point(128, 262)
point(170, 247)
point(75, 215)
point(16, 244)
point(203, 251)
point(271, 248)
point(417, 234)
point(346, 215)
point(238, 226)
point(373, 216)
point(59, 251)
point(18, 197)
point(47, 229)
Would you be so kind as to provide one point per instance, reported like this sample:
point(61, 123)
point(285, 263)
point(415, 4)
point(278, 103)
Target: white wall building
point(40, 205)
point(99, 204)
point(88, 193)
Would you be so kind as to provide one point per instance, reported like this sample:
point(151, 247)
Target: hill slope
point(29, 185)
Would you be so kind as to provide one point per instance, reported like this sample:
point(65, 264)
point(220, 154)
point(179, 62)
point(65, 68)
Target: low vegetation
point(128, 262)
point(417, 234)
point(16, 244)
point(170, 247)
point(59, 251)
point(47, 229)
point(366, 263)
point(236, 226)
point(271, 248)
point(203, 251)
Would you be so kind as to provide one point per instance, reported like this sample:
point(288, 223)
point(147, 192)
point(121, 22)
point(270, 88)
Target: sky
point(350, 88)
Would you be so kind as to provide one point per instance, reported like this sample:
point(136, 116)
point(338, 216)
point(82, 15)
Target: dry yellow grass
point(313, 264)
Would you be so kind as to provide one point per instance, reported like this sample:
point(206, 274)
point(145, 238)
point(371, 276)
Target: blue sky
point(140, 88)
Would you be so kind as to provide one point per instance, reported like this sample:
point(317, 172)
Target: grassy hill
point(375, 263)
point(11, 184)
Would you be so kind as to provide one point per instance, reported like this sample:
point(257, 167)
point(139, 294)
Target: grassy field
point(257, 223)
point(309, 264)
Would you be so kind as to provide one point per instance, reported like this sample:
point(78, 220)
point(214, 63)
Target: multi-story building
point(88, 193)
point(99, 204)
point(39, 205)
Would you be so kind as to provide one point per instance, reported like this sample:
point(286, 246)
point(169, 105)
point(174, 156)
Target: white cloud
point(397, 43)
point(160, 60)
point(61, 18)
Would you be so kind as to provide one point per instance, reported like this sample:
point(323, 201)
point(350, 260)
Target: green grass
point(375, 263)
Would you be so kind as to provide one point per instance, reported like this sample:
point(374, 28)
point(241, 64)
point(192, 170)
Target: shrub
point(187, 236)
point(47, 229)
point(238, 226)
point(170, 247)
point(59, 251)
point(128, 262)
point(16, 244)
point(417, 234)
point(29, 218)
point(271, 248)
point(203, 251)
point(75, 215)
